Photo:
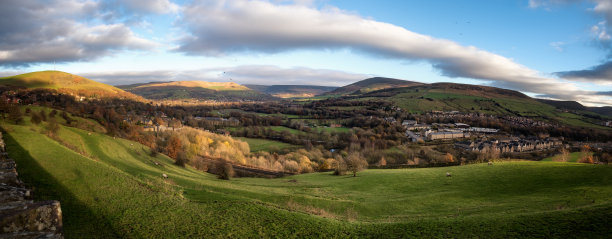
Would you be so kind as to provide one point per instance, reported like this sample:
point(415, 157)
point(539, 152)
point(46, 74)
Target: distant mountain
point(480, 99)
point(566, 105)
point(201, 90)
point(371, 84)
point(292, 91)
point(604, 110)
point(65, 82)
point(575, 106)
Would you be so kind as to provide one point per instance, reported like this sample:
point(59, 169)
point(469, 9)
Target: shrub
point(35, 119)
point(225, 170)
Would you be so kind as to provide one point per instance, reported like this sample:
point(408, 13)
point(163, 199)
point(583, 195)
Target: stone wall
point(21, 217)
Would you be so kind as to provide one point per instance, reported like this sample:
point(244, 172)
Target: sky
point(555, 49)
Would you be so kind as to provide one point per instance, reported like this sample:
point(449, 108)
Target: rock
point(21, 218)
point(32, 217)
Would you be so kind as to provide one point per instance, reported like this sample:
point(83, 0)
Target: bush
point(225, 170)
point(35, 119)
point(181, 159)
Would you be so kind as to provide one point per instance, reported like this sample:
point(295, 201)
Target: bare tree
point(355, 162)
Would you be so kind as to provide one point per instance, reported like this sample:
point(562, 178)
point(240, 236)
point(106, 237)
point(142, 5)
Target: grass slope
point(474, 98)
point(257, 145)
point(118, 191)
point(371, 84)
point(61, 80)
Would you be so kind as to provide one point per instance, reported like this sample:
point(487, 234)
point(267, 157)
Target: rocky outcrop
point(21, 217)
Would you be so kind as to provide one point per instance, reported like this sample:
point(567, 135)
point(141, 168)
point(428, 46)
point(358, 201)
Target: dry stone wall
point(21, 217)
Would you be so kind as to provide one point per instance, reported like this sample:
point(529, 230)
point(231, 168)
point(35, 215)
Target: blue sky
point(557, 49)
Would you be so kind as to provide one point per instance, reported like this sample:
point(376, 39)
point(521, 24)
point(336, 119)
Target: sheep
point(164, 175)
point(448, 174)
point(490, 163)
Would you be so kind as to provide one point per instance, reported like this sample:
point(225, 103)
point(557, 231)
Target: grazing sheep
point(164, 175)
point(448, 174)
point(490, 163)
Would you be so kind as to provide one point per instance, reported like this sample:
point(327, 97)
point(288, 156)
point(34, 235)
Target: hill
point(113, 188)
point(201, 90)
point(483, 99)
point(64, 82)
point(371, 84)
point(604, 110)
point(565, 105)
point(292, 91)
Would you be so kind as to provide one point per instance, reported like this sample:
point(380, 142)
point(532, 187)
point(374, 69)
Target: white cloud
point(557, 46)
point(152, 6)
point(60, 31)
point(226, 27)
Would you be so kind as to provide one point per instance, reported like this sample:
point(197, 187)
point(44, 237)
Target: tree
point(35, 119)
point(181, 159)
point(15, 114)
point(585, 154)
point(43, 115)
point(355, 163)
point(52, 126)
point(563, 156)
point(225, 170)
point(448, 158)
point(174, 147)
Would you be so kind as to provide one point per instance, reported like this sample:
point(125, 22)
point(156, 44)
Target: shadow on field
point(77, 217)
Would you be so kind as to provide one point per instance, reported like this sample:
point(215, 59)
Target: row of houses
point(509, 145)
point(443, 132)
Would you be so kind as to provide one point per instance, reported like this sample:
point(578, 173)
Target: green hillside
point(483, 99)
point(58, 80)
point(176, 90)
point(371, 84)
point(112, 187)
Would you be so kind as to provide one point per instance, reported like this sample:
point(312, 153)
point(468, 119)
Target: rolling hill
point(201, 90)
point(111, 187)
point(371, 84)
point(483, 99)
point(65, 82)
point(575, 106)
point(292, 91)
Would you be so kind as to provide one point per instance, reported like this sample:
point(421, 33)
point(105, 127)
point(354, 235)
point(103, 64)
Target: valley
point(370, 163)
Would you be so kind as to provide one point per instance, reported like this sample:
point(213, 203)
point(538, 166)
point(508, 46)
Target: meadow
point(266, 145)
point(111, 187)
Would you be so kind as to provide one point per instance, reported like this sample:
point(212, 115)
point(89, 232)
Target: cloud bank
point(61, 31)
point(248, 74)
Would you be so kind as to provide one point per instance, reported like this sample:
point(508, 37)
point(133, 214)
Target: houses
point(481, 130)
point(444, 135)
point(509, 145)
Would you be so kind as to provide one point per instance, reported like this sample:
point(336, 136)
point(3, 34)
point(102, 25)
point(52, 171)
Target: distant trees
point(14, 114)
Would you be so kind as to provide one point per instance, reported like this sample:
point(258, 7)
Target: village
point(477, 139)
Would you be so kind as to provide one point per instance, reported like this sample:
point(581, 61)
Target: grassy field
point(57, 80)
point(332, 129)
point(112, 187)
point(573, 157)
point(266, 145)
